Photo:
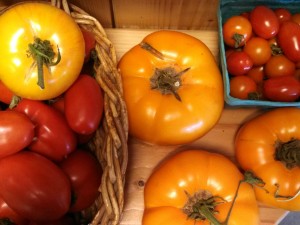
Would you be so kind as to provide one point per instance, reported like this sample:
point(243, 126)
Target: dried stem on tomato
point(42, 53)
point(288, 153)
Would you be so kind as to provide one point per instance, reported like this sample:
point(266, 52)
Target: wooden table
point(144, 157)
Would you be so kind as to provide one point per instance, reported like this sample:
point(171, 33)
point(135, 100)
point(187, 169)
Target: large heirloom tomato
point(42, 50)
point(172, 88)
point(268, 145)
point(194, 187)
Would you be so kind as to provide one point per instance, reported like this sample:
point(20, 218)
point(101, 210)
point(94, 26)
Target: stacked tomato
point(47, 172)
point(263, 54)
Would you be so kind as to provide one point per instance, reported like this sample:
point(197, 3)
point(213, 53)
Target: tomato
point(264, 22)
point(264, 145)
point(9, 216)
point(279, 65)
point(296, 18)
point(34, 186)
point(58, 104)
point(30, 28)
point(16, 132)
point(6, 94)
point(283, 14)
point(259, 50)
point(65, 220)
point(176, 111)
point(257, 74)
point(289, 40)
point(90, 43)
point(283, 89)
point(239, 63)
point(86, 99)
point(243, 87)
point(85, 174)
point(200, 176)
point(237, 30)
point(54, 138)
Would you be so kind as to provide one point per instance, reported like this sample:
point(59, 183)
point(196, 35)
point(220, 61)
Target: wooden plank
point(143, 157)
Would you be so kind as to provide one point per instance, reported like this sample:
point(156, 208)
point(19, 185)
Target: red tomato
point(90, 43)
point(259, 50)
point(9, 216)
point(257, 74)
point(6, 94)
point(243, 87)
point(296, 18)
point(86, 99)
point(237, 30)
point(34, 186)
point(283, 14)
point(59, 104)
point(264, 22)
point(283, 89)
point(85, 174)
point(238, 63)
point(16, 132)
point(289, 40)
point(279, 65)
point(54, 137)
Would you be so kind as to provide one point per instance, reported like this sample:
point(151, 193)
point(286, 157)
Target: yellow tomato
point(268, 145)
point(27, 29)
point(172, 88)
point(192, 178)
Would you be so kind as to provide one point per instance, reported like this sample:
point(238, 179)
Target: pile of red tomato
point(263, 54)
point(47, 173)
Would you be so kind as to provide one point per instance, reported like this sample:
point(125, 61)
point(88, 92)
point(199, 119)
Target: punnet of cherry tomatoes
point(260, 53)
point(48, 175)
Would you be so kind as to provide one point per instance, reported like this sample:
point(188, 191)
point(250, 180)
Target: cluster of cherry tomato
point(263, 54)
point(46, 171)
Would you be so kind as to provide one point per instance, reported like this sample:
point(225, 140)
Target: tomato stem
point(42, 53)
point(288, 153)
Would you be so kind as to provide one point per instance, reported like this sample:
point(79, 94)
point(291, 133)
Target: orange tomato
point(173, 90)
point(198, 175)
point(267, 145)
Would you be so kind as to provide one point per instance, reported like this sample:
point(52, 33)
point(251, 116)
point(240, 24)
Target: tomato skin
point(239, 63)
point(44, 193)
point(6, 94)
point(15, 64)
point(264, 22)
point(257, 74)
point(279, 65)
point(236, 25)
point(86, 99)
point(16, 132)
point(7, 213)
point(242, 86)
point(85, 173)
point(194, 170)
point(259, 50)
point(283, 89)
point(90, 43)
point(54, 138)
point(283, 14)
point(289, 40)
point(296, 18)
point(161, 118)
point(255, 146)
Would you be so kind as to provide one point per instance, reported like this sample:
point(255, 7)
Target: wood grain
point(143, 157)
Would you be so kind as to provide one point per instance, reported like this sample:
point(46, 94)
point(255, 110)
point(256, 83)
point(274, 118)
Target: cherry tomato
point(86, 99)
point(259, 50)
point(264, 22)
point(6, 94)
point(85, 174)
point(242, 87)
point(90, 43)
point(257, 74)
point(34, 186)
point(237, 31)
point(289, 40)
point(283, 89)
point(283, 14)
point(296, 18)
point(16, 132)
point(279, 65)
point(9, 216)
point(239, 63)
point(54, 137)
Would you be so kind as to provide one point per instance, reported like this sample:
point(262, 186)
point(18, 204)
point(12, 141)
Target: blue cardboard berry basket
point(228, 8)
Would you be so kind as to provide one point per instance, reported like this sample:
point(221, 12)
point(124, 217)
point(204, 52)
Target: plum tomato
point(296, 18)
point(257, 74)
point(89, 41)
point(264, 22)
point(237, 30)
point(243, 87)
point(282, 89)
point(239, 63)
point(283, 14)
point(279, 65)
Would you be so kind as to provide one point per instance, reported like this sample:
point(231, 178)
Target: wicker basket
point(110, 141)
